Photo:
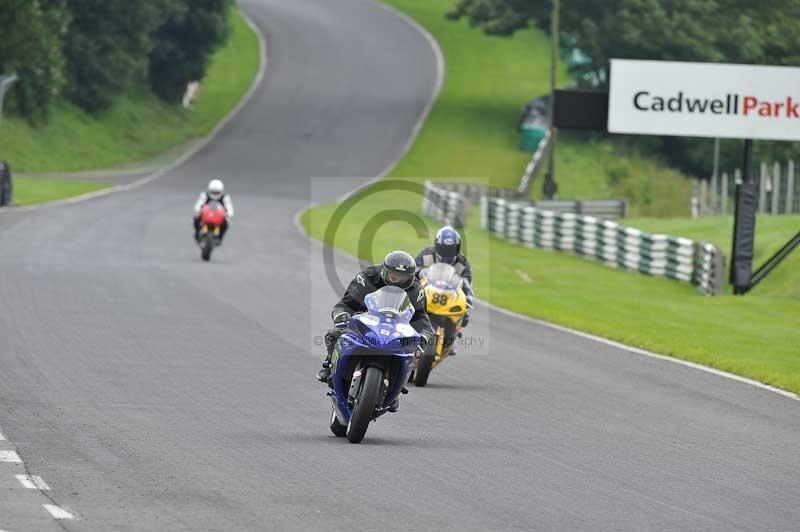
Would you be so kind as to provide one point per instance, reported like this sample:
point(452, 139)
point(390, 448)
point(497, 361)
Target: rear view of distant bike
point(212, 217)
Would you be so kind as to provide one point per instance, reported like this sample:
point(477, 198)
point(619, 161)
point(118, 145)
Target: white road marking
point(33, 482)
point(10, 456)
point(2, 438)
point(58, 512)
point(643, 352)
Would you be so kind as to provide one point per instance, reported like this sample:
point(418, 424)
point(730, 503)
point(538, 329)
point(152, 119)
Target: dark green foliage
point(184, 43)
point(88, 51)
point(735, 31)
point(31, 33)
point(107, 47)
point(730, 31)
point(500, 17)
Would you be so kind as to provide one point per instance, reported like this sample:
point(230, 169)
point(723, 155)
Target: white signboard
point(704, 100)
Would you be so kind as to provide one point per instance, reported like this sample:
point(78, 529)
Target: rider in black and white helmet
point(214, 192)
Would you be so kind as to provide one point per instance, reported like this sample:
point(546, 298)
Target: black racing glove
point(424, 340)
point(465, 320)
point(341, 320)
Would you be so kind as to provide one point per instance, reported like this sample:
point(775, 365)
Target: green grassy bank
point(138, 125)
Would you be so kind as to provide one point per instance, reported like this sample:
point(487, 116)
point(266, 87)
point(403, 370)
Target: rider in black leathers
point(446, 248)
point(398, 269)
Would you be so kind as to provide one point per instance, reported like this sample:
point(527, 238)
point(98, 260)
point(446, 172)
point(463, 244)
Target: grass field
point(470, 134)
point(137, 126)
point(33, 190)
point(471, 131)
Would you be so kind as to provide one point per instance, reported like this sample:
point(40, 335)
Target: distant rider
point(397, 270)
point(214, 192)
point(446, 248)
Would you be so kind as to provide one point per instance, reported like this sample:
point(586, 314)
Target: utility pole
point(549, 187)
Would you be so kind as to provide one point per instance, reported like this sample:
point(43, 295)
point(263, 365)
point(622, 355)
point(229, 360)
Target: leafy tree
point(107, 47)
point(738, 31)
point(732, 31)
point(30, 46)
point(184, 43)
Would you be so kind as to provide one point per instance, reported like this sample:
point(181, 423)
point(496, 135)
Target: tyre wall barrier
point(699, 263)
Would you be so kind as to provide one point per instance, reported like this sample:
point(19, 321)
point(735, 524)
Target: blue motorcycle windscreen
point(392, 300)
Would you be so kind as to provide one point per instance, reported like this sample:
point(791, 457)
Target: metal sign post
point(744, 226)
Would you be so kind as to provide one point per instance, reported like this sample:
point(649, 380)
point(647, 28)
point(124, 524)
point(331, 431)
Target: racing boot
point(454, 347)
point(324, 374)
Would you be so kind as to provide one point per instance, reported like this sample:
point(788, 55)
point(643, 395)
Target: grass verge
point(470, 134)
point(33, 190)
point(136, 127)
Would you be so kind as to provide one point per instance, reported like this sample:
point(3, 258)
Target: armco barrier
point(472, 193)
point(699, 263)
point(444, 205)
point(605, 209)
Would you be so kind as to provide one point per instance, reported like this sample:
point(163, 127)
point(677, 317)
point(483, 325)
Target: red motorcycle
point(212, 217)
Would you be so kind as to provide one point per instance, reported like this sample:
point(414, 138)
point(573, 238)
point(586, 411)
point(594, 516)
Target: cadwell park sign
point(749, 102)
point(704, 100)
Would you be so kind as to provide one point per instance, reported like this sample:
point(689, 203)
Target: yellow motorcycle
point(447, 305)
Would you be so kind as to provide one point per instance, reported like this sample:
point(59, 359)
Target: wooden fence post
point(724, 195)
point(714, 196)
point(703, 197)
point(776, 186)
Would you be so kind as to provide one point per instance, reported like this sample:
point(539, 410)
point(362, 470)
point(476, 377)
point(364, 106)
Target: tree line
point(88, 51)
point(725, 31)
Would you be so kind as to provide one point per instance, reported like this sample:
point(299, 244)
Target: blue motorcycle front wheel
point(364, 408)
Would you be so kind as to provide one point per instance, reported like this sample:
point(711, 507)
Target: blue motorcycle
point(371, 362)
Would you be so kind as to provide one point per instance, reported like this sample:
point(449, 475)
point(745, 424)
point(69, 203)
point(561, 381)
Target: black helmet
point(398, 269)
point(447, 245)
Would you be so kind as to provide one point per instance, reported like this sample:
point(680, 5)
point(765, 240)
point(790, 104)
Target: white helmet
point(215, 189)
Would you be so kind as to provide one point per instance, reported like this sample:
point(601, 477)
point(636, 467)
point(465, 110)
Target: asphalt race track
point(154, 392)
